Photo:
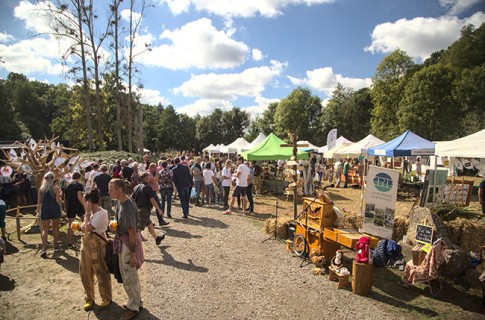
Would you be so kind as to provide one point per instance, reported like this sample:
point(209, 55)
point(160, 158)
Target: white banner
point(332, 139)
point(380, 201)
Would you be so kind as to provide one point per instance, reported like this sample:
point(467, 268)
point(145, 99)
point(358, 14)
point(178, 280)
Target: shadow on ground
point(414, 298)
point(6, 284)
point(169, 260)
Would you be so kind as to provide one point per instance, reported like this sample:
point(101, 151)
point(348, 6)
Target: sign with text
point(424, 234)
point(380, 201)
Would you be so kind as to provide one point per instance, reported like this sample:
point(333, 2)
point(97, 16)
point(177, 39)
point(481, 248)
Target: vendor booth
point(361, 147)
point(471, 146)
point(235, 147)
point(255, 142)
point(271, 149)
point(407, 144)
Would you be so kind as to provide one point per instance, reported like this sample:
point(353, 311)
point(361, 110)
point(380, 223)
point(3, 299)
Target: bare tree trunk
point(87, 99)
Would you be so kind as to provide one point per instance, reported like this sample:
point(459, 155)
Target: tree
point(253, 130)
point(389, 82)
point(10, 128)
point(428, 107)
point(68, 24)
point(234, 124)
point(95, 45)
point(266, 123)
point(299, 113)
point(468, 51)
point(469, 94)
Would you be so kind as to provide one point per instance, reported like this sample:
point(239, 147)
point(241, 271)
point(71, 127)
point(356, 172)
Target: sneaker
point(159, 239)
point(169, 216)
point(88, 305)
point(163, 223)
point(43, 254)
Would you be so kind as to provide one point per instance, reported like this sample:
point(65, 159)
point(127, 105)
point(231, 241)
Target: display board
point(380, 201)
point(458, 191)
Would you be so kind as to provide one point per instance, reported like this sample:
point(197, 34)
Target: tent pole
point(434, 180)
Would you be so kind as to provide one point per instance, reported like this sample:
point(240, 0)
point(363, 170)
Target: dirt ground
point(217, 267)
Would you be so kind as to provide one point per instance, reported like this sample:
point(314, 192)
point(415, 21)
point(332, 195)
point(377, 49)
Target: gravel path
point(218, 267)
point(211, 266)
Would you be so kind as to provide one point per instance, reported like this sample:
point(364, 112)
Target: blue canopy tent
point(407, 144)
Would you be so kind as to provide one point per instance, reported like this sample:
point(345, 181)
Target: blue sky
point(247, 53)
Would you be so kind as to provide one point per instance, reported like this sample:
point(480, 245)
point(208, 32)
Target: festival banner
point(380, 201)
point(332, 139)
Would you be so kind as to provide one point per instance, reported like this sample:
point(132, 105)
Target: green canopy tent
point(270, 149)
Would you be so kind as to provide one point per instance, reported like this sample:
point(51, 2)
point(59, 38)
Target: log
point(361, 278)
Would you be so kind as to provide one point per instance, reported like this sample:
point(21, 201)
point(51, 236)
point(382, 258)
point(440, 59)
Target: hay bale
point(467, 234)
point(281, 227)
point(400, 228)
point(350, 220)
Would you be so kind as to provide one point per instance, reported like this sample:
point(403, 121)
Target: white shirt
point(93, 175)
point(100, 221)
point(242, 180)
point(226, 173)
point(208, 174)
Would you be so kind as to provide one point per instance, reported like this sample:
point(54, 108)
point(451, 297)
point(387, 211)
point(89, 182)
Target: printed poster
point(380, 201)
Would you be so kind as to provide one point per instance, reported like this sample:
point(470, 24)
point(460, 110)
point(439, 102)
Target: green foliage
point(469, 94)
point(449, 212)
point(299, 113)
point(389, 82)
point(428, 107)
point(266, 123)
point(110, 156)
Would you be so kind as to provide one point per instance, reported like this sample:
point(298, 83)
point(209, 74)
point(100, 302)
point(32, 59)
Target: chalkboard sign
point(424, 234)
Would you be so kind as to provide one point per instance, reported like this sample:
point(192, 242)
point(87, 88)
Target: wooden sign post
point(293, 138)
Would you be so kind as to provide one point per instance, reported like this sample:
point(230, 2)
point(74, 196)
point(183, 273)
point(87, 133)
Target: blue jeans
point(166, 194)
point(209, 191)
point(184, 195)
point(198, 185)
point(249, 194)
point(346, 175)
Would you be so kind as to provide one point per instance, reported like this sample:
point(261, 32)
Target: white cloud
point(125, 15)
point(249, 83)
point(152, 97)
point(197, 44)
point(5, 37)
point(27, 56)
point(420, 37)
point(261, 105)
point(205, 107)
point(238, 8)
point(458, 6)
point(257, 55)
point(325, 80)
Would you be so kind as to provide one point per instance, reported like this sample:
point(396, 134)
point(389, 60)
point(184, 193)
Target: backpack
point(393, 250)
point(379, 254)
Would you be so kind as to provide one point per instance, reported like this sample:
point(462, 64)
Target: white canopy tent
point(236, 146)
point(338, 142)
point(331, 153)
point(361, 147)
point(311, 146)
point(258, 140)
point(209, 148)
point(471, 146)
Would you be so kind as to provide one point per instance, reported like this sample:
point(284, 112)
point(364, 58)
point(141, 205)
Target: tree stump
point(361, 278)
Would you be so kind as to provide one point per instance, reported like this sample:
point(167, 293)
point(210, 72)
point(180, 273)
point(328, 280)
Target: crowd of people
point(126, 192)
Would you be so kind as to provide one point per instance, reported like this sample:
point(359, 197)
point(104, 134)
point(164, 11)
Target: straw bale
point(400, 228)
point(467, 234)
point(350, 220)
point(282, 227)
